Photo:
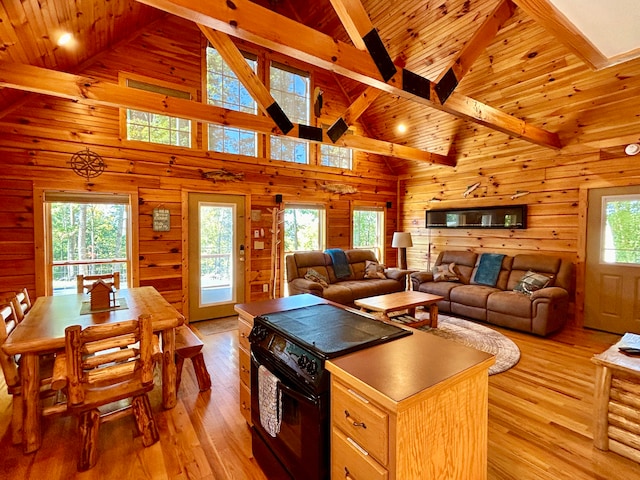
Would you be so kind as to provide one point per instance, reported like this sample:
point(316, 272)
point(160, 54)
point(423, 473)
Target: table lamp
point(402, 240)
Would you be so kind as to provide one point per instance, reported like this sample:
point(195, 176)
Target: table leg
point(602, 389)
point(169, 398)
point(411, 312)
point(433, 315)
point(30, 373)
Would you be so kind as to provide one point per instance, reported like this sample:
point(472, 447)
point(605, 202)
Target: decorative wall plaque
point(161, 220)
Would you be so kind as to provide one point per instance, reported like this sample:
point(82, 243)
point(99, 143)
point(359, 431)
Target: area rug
point(477, 336)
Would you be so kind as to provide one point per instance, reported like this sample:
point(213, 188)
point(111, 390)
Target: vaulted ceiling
point(518, 69)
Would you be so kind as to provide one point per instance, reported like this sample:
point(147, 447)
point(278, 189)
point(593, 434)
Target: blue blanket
point(488, 269)
point(340, 263)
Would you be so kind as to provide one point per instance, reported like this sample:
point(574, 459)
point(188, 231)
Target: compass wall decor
point(87, 163)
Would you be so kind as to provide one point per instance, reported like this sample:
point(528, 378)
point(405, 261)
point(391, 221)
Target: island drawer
point(244, 329)
point(360, 420)
point(351, 461)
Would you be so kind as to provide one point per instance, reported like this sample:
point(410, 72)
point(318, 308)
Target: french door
point(216, 255)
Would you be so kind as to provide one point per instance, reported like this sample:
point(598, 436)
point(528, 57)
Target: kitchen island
point(412, 408)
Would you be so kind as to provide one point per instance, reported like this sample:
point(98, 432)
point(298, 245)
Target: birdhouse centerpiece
point(102, 295)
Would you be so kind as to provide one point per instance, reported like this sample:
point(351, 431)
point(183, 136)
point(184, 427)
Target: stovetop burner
point(331, 331)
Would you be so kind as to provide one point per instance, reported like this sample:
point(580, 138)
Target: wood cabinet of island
point(413, 408)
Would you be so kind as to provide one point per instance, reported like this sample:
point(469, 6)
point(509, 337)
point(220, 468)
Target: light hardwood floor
point(540, 415)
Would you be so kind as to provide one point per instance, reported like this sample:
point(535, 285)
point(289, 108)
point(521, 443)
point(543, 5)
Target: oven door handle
point(291, 392)
point(297, 395)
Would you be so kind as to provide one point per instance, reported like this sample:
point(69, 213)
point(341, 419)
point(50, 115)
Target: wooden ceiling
point(517, 76)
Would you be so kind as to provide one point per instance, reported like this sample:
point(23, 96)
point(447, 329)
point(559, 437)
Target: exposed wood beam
point(355, 20)
point(478, 43)
point(351, 114)
point(88, 90)
point(249, 21)
point(236, 62)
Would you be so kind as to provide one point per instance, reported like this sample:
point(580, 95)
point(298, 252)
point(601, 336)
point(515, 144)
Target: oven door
point(302, 444)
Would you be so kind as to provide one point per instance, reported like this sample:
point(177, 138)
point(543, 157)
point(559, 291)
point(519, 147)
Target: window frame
point(322, 227)
point(604, 231)
point(280, 138)
point(381, 209)
point(44, 280)
point(122, 80)
point(205, 100)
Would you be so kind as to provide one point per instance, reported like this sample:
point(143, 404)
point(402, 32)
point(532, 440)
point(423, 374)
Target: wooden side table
point(617, 403)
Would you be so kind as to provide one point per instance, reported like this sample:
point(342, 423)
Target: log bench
point(188, 345)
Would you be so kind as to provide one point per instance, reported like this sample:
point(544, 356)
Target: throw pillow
point(317, 277)
point(373, 270)
point(445, 273)
point(532, 281)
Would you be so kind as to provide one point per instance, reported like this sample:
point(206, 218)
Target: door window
point(620, 229)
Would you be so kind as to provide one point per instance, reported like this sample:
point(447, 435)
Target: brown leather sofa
point(542, 312)
point(345, 290)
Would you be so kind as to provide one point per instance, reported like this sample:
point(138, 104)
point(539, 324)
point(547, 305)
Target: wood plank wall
point(38, 140)
point(556, 183)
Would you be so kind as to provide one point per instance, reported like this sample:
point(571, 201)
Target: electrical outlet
point(265, 287)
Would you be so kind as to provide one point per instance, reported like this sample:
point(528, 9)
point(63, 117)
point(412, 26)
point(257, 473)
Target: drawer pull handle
point(244, 369)
point(357, 447)
point(355, 424)
point(358, 396)
point(347, 474)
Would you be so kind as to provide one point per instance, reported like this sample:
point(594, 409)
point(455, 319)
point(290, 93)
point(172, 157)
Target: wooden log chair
point(20, 300)
point(50, 382)
point(83, 282)
point(188, 345)
point(100, 372)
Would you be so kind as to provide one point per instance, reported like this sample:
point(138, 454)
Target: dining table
point(42, 331)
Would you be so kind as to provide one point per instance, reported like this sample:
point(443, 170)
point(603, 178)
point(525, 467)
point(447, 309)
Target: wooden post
point(602, 389)
point(169, 399)
point(30, 370)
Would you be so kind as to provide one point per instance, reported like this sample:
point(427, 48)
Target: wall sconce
point(402, 240)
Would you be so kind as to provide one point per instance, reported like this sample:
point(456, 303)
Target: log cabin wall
point(39, 137)
point(596, 116)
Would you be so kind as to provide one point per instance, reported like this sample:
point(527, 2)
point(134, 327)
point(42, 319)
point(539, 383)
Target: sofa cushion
point(339, 293)
point(442, 289)
point(536, 263)
point(472, 295)
point(445, 273)
point(316, 277)
point(532, 281)
point(374, 270)
point(371, 288)
point(513, 303)
point(465, 262)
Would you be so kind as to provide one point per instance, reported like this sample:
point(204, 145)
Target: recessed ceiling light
point(402, 128)
point(64, 39)
point(632, 149)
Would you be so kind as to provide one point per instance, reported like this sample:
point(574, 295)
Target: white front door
point(216, 255)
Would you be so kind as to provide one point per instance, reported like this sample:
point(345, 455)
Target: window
point(226, 91)
point(304, 228)
point(290, 89)
point(88, 234)
point(368, 230)
point(153, 127)
point(332, 156)
point(621, 229)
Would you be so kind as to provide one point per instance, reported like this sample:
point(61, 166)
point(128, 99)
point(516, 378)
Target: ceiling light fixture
point(402, 128)
point(64, 39)
point(632, 149)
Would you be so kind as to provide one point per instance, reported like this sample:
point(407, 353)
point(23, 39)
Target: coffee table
point(408, 300)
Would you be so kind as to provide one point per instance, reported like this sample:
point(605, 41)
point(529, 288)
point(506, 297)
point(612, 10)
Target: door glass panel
point(620, 230)
point(216, 253)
